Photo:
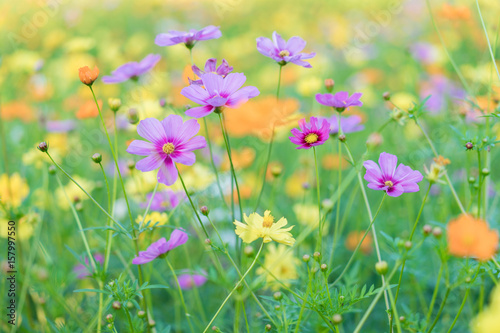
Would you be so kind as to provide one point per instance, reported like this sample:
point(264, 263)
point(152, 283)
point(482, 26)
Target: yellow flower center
point(268, 221)
point(168, 148)
point(389, 183)
point(284, 53)
point(311, 138)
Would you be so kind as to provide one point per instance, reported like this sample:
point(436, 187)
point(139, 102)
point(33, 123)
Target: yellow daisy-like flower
point(282, 265)
point(13, 189)
point(153, 218)
point(264, 227)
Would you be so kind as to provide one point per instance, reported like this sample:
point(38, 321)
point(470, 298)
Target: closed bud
point(109, 326)
point(467, 279)
point(110, 318)
point(141, 314)
point(386, 96)
point(52, 170)
point(133, 116)
point(43, 147)
point(342, 138)
point(337, 319)
point(276, 170)
point(163, 102)
point(408, 245)
point(79, 206)
point(306, 258)
point(327, 204)
point(402, 319)
point(117, 305)
point(130, 305)
point(204, 210)
point(277, 307)
point(208, 241)
point(317, 256)
point(472, 180)
point(268, 327)
point(97, 158)
point(374, 140)
point(329, 85)
point(437, 232)
point(114, 104)
point(278, 296)
point(427, 229)
point(324, 267)
point(87, 75)
point(306, 185)
point(485, 172)
point(249, 251)
point(381, 267)
point(131, 165)
point(469, 145)
point(152, 323)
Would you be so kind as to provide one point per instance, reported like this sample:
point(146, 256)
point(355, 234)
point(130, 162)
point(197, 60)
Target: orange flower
point(471, 237)
point(88, 110)
point(242, 158)
point(331, 162)
point(455, 12)
point(258, 117)
point(354, 237)
point(17, 110)
point(88, 76)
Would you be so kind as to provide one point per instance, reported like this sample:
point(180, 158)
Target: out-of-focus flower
point(281, 264)
point(437, 169)
point(471, 237)
point(132, 70)
point(17, 110)
point(73, 192)
point(340, 101)
point(294, 184)
point(219, 92)
point(307, 214)
point(188, 281)
point(332, 162)
point(153, 218)
point(374, 140)
point(88, 110)
point(60, 126)
point(310, 135)
point(284, 52)
point(24, 226)
point(353, 239)
point(425, 52)
point(13, 189)
point(242, 158)
point(487, 320)
point(189, 38)
point(82, 271)
point(164, 200)
point(211, 67)
point(349, 124)
point(456, 12)
point(161, 247)
point(87, 75)
point(264, 227)
point(439, 89)
point(171, 140)
point(391, 178)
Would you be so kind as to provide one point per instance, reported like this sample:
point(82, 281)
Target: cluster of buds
point(437, 169)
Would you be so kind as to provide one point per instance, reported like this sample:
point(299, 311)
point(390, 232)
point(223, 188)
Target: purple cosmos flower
point(171, 141)
point(188, 281)
point(132, 70)
point(311, 134)
point(440, 89)
point(188, 38)
point(219, 92)
point(284, 52)
point(161, 247)
point(211, 67)
point(165, 200)
point(347, 124)
point(389, 178)
point(340, 101)
point(60, 126)
point(83, 271)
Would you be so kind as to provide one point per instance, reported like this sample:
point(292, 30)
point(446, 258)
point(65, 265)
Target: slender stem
point(394, 312)
point(179, 289)
point(487, 39)
point(459, 310)
point(132, 329)
point(434, 295)
point(479, 163)
point(448, 289)
point(359, 243)
point(268, 158)
point(320, 227)
point(411, 237)
point(337, 215)
point(149, 205)
point(212, 160)
point(297, 325)
point(191, 56)
point(234, 289)
point(109, 234)
point(279, 84)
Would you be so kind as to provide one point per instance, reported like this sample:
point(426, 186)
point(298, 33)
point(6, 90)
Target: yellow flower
point(73, 192)
point(264, 227)
point(24, 226)
point(153, 218)
point(487, 321)
point(280, 263)
point(307, 214)
point(13, 189)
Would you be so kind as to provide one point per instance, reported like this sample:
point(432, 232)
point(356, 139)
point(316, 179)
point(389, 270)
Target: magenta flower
point(218, 93)
point(284, 52)
point(311, 134)
point(171, 141)
point(188, 38)
point(82, 271)
point(347, 124)
point(340, 101)
point(161, 247)
point(188, 281)
point(165, 200)
point(211, 67)
point(132, 70)
point(389, 178)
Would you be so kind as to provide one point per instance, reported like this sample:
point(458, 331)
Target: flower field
point(231, 166)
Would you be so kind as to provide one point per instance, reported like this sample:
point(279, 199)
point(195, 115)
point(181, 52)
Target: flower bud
point(276, 170)
point(381, 267)
point(306, 185)
point(329, 84)
point(467, 279)
point(402, 319)
point(408, 245)
point(79, 206)
point(485, 172)
point(472, 180)
point(342, 138)
point(327, 204)
point(277, 307)
point(141, 314)
point(249, 251)
point(323, 267)
point(469, 145)
point(374, 140)
point(437, 232)
point(117, 305)
point(306, 258)
point(427, 229)
point(278, 296)
point(110, 318)
point(110, 327)
point(130, 305)
point(163, 102)
point(43, 147)
point(337, 319)
point(88, 76)
point(131, 165)
point(97, 158)
point(208, 241)
point(152, 323)
point(386, 96)
point(114, 104)
point(52, 170)
point(133, 116)
point(268, 327)
point(204, 210)
point(317, 256)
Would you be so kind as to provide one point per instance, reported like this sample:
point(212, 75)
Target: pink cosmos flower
point(165, 200)
point(284, 52)
point(188, 281)
point(83, 271)
point(340, 101)
point(211, 67)
point(132, 70)
point(347, 124)
point(188, 38)
point(312, 134)
point(161, 247)
point(171, 141)
point(389, 178)
point(219, 92)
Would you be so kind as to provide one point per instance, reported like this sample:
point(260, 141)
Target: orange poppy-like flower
point(471, 237)
point(455, 12)
point(354, 237)
point(257, 117)
point(242, 158)
point(88, 110)
point(17, 110)
point(87, 75)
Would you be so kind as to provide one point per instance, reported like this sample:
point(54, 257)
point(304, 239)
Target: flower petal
point(141, 148)
point(152, 130)
point(167, 174)
point(150, 163)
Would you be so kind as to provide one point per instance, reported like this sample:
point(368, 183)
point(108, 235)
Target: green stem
point(109, 234)
point(149, 205)
point(132, 329)
point(479, 163)
point(234, 289)
point(302, 308)
point(337, 215)
point(394, 312)
point(487, 39)
point(320, 227)
point(459, 310)
point(448, 289)
point(179, 289)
